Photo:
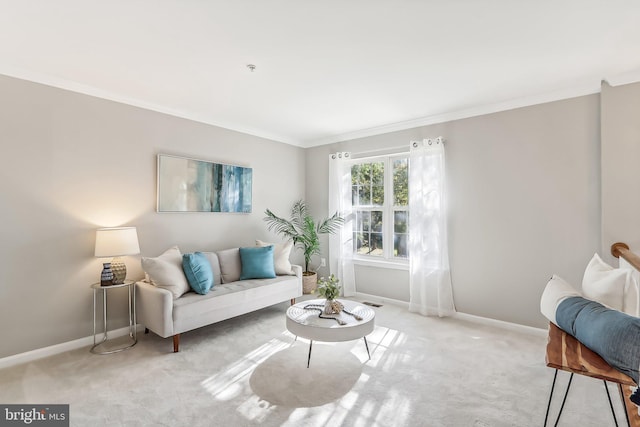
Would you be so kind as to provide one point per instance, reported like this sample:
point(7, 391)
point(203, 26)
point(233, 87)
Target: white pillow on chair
point(556, 291)
point(613, 287)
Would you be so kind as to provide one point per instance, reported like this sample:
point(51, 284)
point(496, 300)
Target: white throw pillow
point(230, 265)
point(281, 253)
point(632, 290)
point(610, 286)
point(556, 291)
point(165, 271)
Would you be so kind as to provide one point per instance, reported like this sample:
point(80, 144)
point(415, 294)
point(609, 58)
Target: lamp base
point(119, 271)
point(106, 277)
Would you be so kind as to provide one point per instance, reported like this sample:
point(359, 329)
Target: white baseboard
point(378, 299)
point(516, 327)
point(40, 353)
point(468, 317)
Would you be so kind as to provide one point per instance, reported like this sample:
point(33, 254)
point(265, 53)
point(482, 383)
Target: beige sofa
point(161, 312)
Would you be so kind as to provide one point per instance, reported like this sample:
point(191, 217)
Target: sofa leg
point(293, 301)
point(176, 343)
point(146, 330)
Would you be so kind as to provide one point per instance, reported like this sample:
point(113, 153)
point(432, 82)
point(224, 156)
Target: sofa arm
point(154, 308)
point(297, 270)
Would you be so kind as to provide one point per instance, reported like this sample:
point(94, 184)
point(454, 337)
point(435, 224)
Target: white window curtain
point(341, 243)
point(429, 275)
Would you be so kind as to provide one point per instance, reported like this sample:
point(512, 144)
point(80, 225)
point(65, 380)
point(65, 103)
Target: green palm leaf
point(301, 228)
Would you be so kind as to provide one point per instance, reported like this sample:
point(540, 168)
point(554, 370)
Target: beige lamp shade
point(117, 241)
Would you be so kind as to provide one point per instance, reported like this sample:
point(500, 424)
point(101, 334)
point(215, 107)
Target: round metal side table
point(133, 338)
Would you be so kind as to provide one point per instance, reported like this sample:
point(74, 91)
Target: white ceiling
point(327, 70)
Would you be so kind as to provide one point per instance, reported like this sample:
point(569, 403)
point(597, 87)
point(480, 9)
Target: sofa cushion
point(230, 265)
point(165, 271)
point(198, 270)
point(257, 263)
point(232, 299)
point(215, 267)
point(281, 253)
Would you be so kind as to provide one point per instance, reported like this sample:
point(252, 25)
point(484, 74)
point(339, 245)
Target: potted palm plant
point(305, 233)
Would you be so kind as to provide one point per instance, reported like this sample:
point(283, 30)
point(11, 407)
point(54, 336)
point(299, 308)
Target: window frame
point(387, 259)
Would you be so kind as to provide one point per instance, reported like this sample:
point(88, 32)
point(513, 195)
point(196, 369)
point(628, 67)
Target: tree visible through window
point(380, 199)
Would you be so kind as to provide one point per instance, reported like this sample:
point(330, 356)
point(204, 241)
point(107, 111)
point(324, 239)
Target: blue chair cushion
point(610, 333)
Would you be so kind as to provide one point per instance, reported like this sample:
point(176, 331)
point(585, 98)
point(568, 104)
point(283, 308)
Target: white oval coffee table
point(305, 322)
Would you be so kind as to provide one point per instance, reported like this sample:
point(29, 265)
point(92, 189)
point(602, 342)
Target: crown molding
point(512, 104)
point(559, 95)
point(573, 92)
point(625, 78)
point(72, 86)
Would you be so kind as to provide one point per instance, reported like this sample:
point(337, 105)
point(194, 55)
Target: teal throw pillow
point(257, 263)
point(199, 273)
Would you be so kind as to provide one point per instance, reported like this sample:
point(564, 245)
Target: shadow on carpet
point(283, 378)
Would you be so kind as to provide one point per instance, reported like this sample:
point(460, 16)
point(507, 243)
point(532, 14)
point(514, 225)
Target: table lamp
point(116, 242)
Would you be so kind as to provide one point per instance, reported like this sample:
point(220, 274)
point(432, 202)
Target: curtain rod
point(381, 151)
point(392, 150)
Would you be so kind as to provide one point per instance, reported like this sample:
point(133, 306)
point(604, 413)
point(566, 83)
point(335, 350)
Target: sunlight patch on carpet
point(225, 385)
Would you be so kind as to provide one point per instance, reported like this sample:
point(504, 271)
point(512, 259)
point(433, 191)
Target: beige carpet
point(249, 371)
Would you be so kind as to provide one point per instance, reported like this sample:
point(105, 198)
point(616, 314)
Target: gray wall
point(525, 199)
point(524, 203)
point(72, 163)
point(620, 166)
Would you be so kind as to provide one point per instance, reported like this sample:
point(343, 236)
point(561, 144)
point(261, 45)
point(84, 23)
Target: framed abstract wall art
point(189, 185)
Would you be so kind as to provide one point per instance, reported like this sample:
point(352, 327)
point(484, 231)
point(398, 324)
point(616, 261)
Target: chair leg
point(566, 393)
point(630, 410)
point(615, 420)
point(553, 386)
point(176, 343)
point(146, 330)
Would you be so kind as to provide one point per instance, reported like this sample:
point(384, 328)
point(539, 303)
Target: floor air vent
point(372, 304)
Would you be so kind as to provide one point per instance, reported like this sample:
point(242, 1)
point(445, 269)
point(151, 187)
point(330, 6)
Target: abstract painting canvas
point(188, 185)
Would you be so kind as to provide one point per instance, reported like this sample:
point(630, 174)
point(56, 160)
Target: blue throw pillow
point(257, 263)
point(199, 273)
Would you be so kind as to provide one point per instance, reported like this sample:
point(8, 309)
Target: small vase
point(106, 277)
point(332, 306)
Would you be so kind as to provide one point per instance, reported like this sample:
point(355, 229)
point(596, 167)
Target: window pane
point(401, 182)
point(400, 234)
point(367, 181)
point(376, 244)
point(377, 195)
point(365, 195)
point(376, 221)
point(377, 173)
point(355, 174)
point(400, 221)
point(368, 243)
point(365, 218)
point(400, 245)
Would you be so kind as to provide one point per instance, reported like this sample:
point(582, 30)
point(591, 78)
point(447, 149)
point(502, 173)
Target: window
point(380, 199)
